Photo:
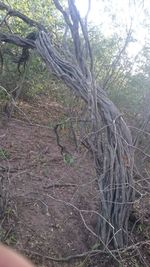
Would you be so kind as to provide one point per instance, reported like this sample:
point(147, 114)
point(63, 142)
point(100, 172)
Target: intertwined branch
point(109, 137)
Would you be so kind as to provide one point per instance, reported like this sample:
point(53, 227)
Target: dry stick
point(90, 253)
point(14, 103)
point(69, 184)
point(69, 258)
point(139, 130)
point(59, 185)
point(143, 127)
point(134, 147)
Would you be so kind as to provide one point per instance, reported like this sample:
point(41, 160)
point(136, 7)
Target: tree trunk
point(111, 145)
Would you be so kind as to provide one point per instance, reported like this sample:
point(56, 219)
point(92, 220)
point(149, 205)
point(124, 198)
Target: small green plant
point(4, 154)
point(95, 246)
point(9, 211)
point(4, 94)
point(68, 159)
point(141, 228)
point(11, 239)
point(2, 233)
point(51, 125)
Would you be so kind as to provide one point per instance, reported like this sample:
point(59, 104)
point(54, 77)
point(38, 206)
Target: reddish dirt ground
point(42, 221)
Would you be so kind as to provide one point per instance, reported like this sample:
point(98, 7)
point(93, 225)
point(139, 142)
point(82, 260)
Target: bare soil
point(46, 194)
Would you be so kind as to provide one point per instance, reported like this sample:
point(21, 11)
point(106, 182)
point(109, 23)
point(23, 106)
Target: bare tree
point(109, 138)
